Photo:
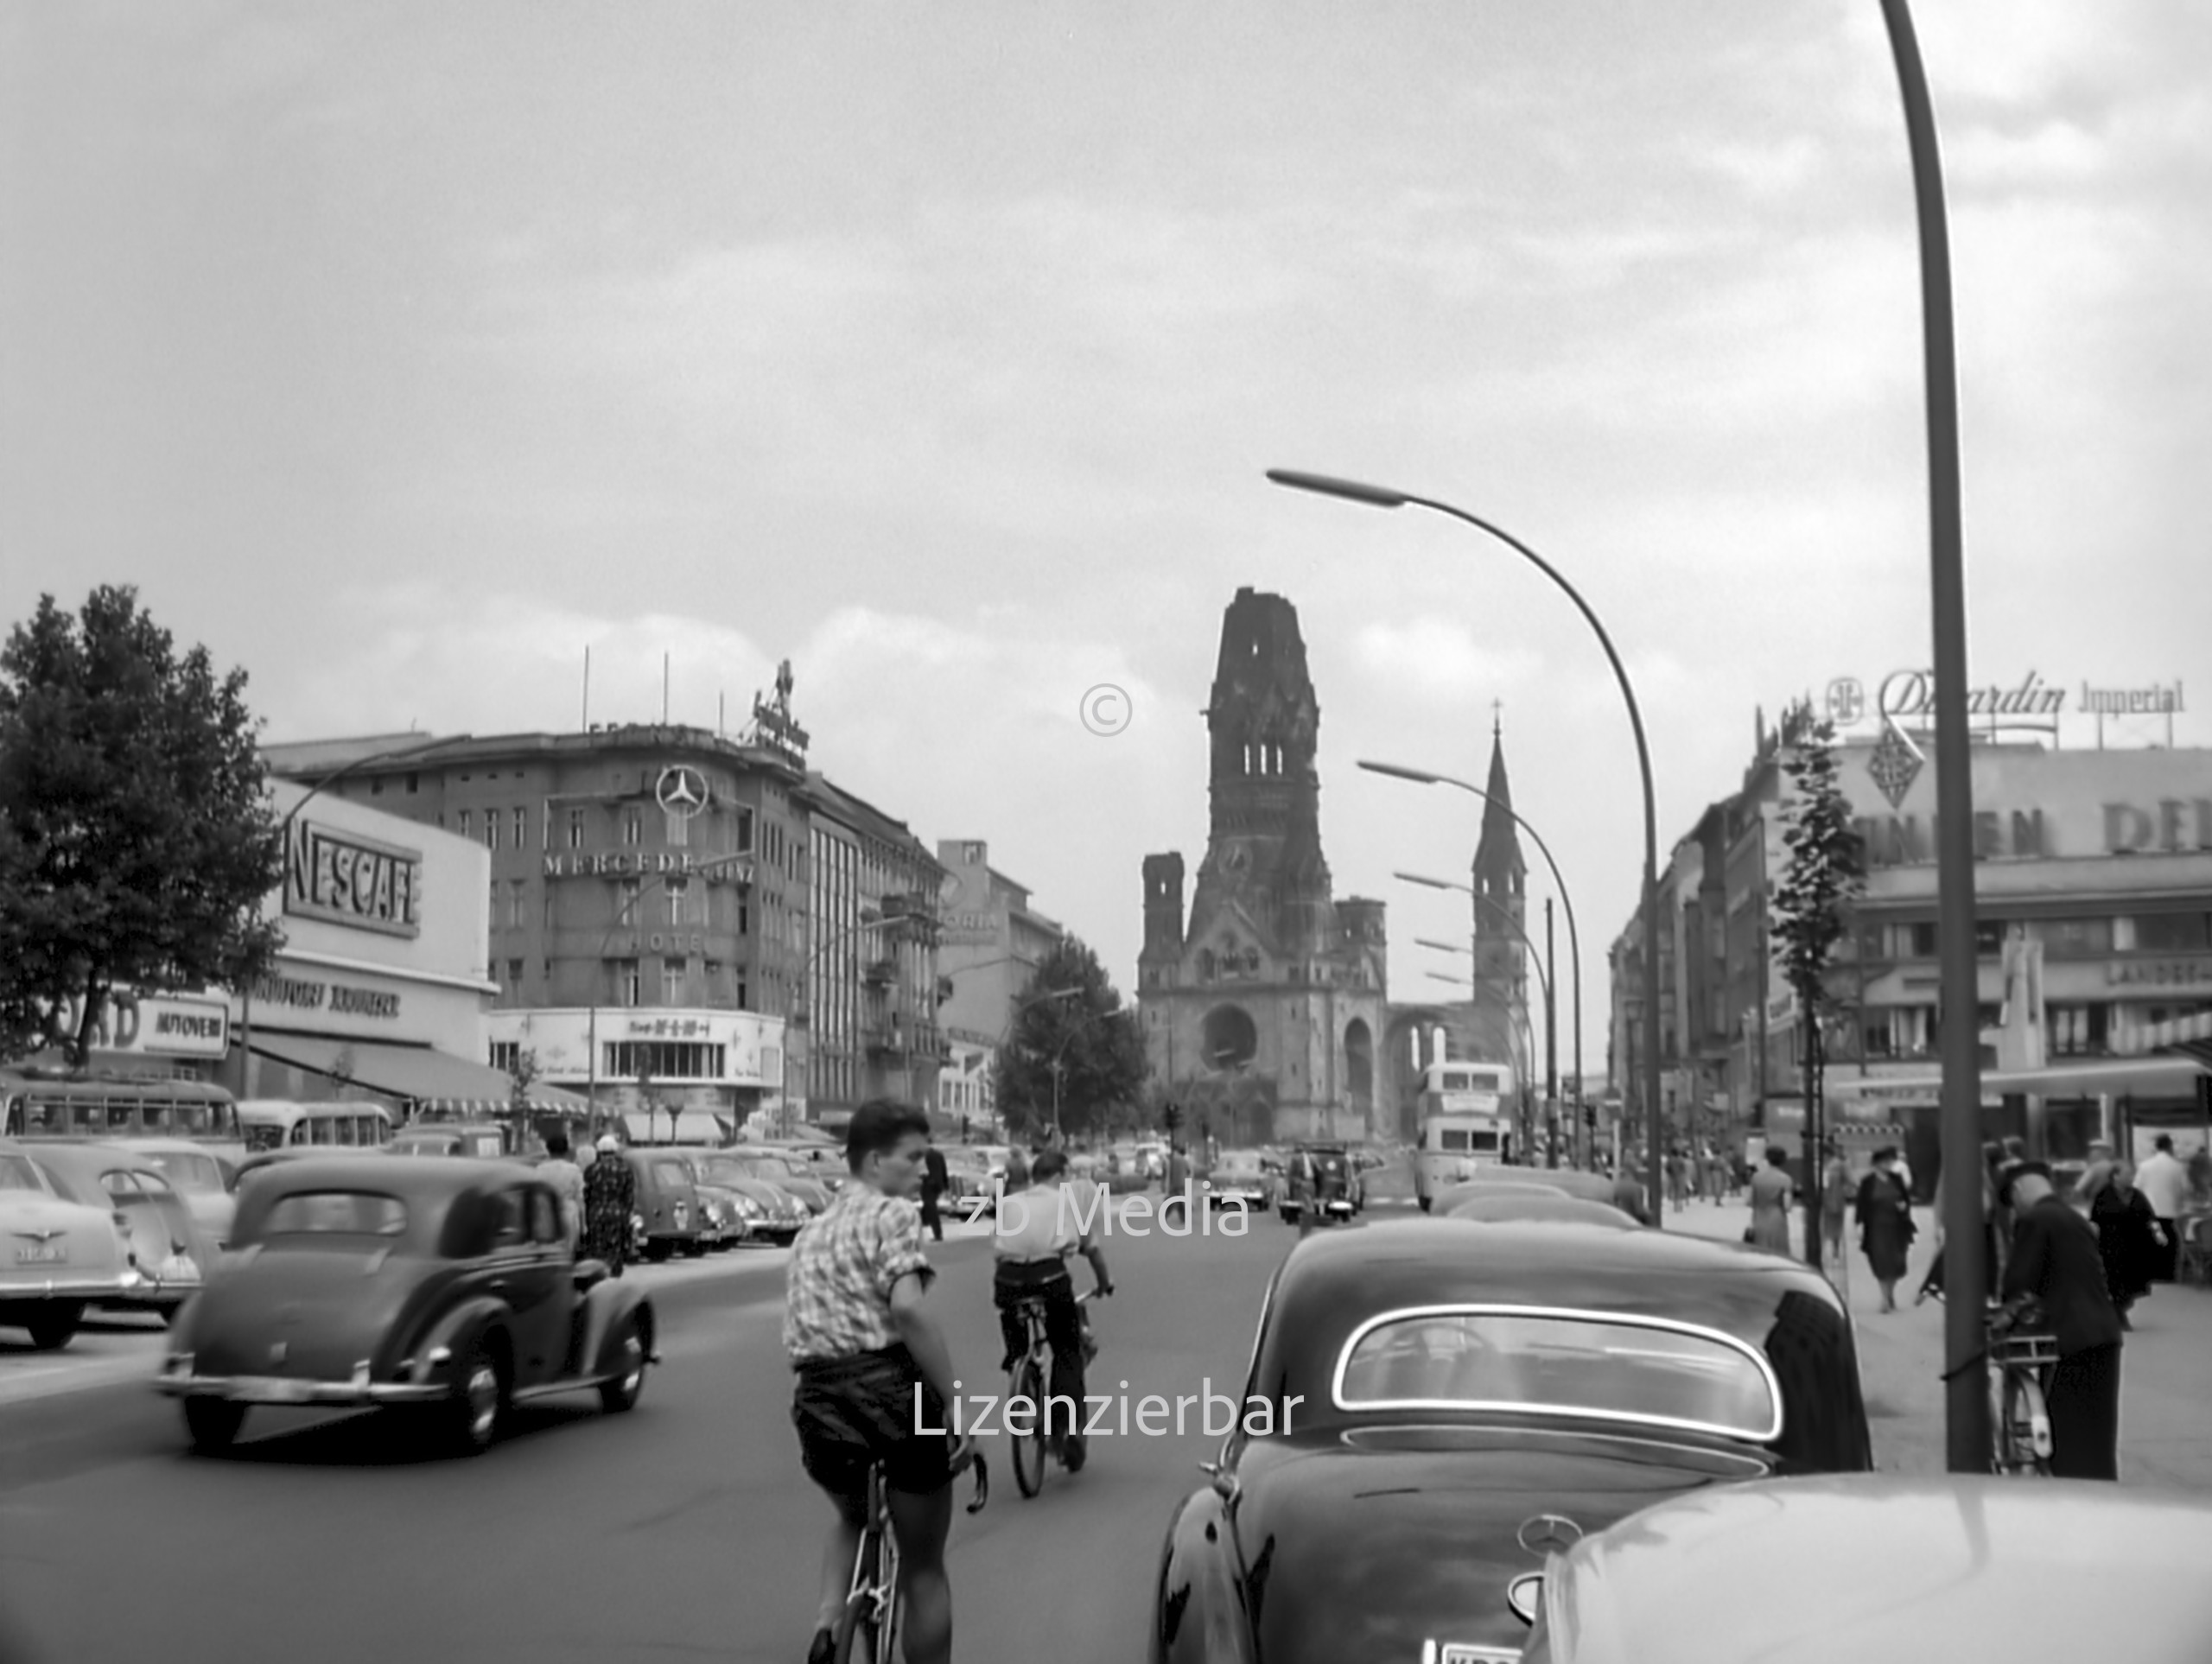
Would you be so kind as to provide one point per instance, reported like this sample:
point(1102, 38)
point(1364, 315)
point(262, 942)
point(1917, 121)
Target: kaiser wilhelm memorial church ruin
point(1266, 1010)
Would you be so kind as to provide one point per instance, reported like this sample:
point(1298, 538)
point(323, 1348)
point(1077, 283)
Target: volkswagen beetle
point(444, 1286)
point(1960, 1566)
point(1459, 1400)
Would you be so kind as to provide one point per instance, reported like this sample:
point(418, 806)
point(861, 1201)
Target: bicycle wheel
point(1028, 1381)
point(2027, 1424)
point(858, 1637)
point(889, 1638)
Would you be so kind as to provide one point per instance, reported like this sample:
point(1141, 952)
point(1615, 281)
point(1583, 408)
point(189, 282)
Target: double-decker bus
point(36, 1103)
point(1466, 1124)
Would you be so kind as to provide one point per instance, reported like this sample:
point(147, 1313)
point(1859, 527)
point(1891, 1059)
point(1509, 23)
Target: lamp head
point(1352, 491)
point(1400, 771)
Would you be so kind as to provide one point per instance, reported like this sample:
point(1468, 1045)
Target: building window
point(744, 994)
point(625, 903)
point(1988, 937)
point(518, 899)
point(2171, 932)
point(491, 828)
point(633, 827)
point(464, 822)
point(679, 829)
point(626, 981)
point(549, 906)
point(2064, 937)
point(414, 782)
point(504, 1054)
point(679, 892)
point(744, 831)
point(514, 977)
point(744, 917)
point(2077, 1031)
point(576, 829)
point(675, 973)
point(522, 828)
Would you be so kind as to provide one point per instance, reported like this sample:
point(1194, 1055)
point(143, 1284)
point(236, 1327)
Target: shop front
point(672, 1074)
point(168, 1035)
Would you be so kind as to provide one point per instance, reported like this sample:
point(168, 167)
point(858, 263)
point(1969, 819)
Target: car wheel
point(478, 1401)
point(621, 1393)
point(54, 1327)
point(213, 1423)
point(1425, 1202)
point(657, 1251)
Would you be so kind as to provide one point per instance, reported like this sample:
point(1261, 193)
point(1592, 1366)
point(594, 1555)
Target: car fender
point(1200, 1614)
point(457, 1328)
point(605, 1303)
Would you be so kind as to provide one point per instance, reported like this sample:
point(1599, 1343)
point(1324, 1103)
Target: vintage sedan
point(1448, 1401)
point(167, 1245)
point(1564, 1181)
point(206, 1181)
point(446, 1287)
point(1240, 1177)
point(1948, 1567)
point(57, 1254)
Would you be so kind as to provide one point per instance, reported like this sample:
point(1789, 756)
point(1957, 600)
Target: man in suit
point(935, 1180)
point(2055, 1262)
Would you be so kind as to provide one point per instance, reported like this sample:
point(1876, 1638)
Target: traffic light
point(1172, 1118)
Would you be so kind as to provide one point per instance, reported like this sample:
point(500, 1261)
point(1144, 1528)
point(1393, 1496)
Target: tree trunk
point(1812, 1196)
point(80, 1048)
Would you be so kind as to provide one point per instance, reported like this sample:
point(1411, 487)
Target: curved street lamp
point(1424, 777)
point(1354, 491)
point(284, 842)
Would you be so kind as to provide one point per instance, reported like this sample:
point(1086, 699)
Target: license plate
point(274, 1389)
point(54, 1256)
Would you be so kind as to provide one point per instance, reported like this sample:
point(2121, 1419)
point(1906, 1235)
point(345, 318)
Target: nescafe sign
point(344, 878)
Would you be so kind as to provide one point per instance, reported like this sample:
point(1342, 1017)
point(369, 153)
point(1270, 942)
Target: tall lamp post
point(284, 838)
point(1060, 1061)
point(1354, 491)
point(1966, 1402)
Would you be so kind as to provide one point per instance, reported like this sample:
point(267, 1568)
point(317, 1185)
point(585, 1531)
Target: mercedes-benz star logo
point(682, 790)
point(1549, 1534)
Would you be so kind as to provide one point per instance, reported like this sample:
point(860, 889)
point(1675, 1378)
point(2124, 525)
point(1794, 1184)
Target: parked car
point(481, 1140)
point(789, 1172)
point(772, 1212)
point(1468, 1394)
point(60, 1253)
point(445, 1286)
point(1958, 1567)
point(668, 1200)
point(166, 1243)
point(1240, 1177)
point(207, 1181)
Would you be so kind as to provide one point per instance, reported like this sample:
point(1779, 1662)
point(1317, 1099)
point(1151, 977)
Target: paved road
point(685, 1530)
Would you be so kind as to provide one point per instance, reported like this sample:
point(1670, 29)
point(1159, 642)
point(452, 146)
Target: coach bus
point(36, 1103)
point(278, 1124)
point(1466, 1124)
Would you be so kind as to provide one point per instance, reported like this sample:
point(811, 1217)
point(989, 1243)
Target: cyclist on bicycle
point(873, 1368)
point(1038, 1227)
point(2055, 1264)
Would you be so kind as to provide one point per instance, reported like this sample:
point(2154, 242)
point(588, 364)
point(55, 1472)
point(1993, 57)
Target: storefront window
point(2064, 937)
point(2075, 1031)
point(2172, 932)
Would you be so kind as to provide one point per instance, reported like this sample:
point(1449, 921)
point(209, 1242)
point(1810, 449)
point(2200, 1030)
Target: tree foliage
point(1088, 1030)
point(137, 839)
point(1824, 874)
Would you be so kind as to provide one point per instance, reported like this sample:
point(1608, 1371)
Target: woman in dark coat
point(2127, 1237)
point(610, 1198)
point(1885, 1227)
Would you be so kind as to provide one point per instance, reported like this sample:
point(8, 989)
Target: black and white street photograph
point(797, 800)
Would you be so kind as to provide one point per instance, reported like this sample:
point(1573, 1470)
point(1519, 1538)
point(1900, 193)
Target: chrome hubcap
point(483, 1400)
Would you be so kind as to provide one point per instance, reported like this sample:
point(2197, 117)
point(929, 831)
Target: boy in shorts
point(873, 1368)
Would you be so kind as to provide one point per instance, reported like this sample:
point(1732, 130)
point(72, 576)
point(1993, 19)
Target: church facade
point(1265, 1005)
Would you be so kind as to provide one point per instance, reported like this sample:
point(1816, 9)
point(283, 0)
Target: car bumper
point(116, 1286)
point(284, 1389)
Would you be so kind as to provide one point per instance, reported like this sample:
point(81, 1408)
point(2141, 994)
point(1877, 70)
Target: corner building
point(1261, 1009)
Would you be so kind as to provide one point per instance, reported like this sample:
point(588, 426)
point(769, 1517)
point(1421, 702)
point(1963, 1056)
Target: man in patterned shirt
point(873, 1370)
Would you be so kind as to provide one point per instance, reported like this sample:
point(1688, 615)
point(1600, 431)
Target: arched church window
point(1205, 964)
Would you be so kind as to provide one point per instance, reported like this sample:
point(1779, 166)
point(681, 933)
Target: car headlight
point(747, 1208)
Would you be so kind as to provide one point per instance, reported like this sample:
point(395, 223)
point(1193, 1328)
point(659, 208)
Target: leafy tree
point(1825, 873)
point(1093, 1037)
point(136, 839)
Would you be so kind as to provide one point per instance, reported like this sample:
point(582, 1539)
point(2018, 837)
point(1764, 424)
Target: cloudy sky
point(400, 352)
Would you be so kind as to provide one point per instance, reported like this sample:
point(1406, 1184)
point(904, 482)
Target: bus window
point(87, 1117)
point(192, 1120)
point(122, 1117)
point(47, 1117)
point(1453, 1138)
point(347, 1129)
point(1455, 1081)
point(1484, 1142)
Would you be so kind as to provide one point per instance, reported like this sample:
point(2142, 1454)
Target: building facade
point(2093, 922)
point(1263, 1010)
point(991, 944)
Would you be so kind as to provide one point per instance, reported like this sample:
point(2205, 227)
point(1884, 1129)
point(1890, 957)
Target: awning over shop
point(414, 1074)
point(541, 1101)
point(692, 1126)
point(2173, 1076)
point(2191, 1035)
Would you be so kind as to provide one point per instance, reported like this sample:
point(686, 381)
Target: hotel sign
point(638, 863)
point(343, 878)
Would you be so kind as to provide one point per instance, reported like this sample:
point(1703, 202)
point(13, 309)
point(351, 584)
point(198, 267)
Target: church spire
point(1498, 854)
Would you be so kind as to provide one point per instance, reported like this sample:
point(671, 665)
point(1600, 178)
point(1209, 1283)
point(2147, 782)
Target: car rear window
point(16, 1173)
point(336, 1213)
point(1585, 1365)
point(189, 1172)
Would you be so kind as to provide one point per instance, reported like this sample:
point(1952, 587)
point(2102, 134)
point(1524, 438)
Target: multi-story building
point(868, 1027)
point(2093, 922)
point(991, 944)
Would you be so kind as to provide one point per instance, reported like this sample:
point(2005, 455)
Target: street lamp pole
point(1966, 1400)
point(284, 840)
point(1383, 497)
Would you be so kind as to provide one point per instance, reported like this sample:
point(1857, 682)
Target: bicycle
point(1027, 1380)
point(868, 1626)
point(2020, 1372)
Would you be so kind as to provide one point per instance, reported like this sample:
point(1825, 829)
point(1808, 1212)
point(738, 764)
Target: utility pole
point(1551, 1048)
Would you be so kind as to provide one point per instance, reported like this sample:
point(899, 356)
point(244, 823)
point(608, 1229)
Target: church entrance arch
point(1231, 1039)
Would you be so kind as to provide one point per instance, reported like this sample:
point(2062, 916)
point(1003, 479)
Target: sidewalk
point(2165, 1414)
